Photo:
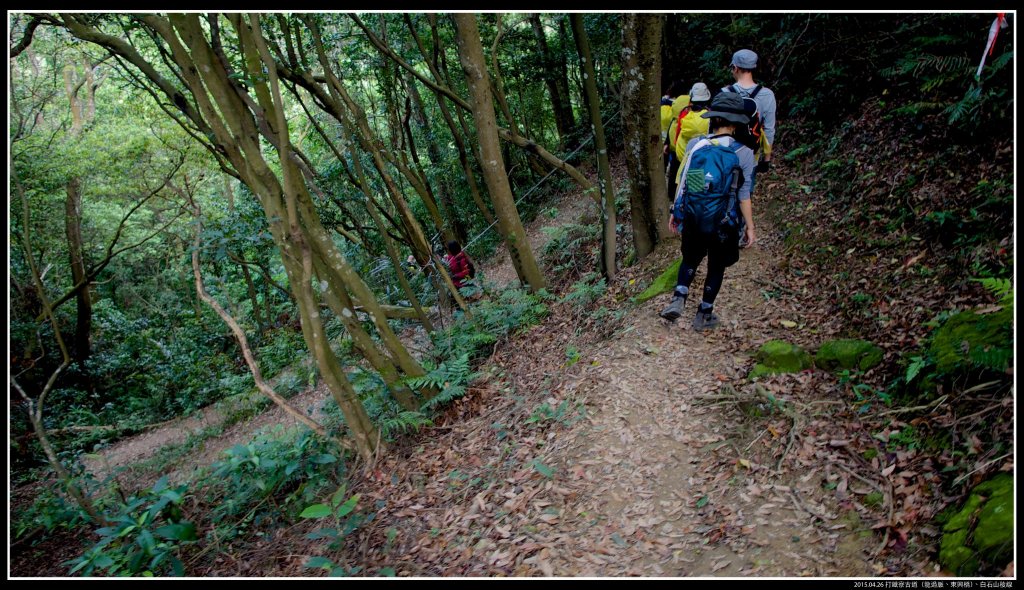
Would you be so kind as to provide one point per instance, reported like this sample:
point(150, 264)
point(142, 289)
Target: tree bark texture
point(604, 169)
point(641, 56)
point(510, 224)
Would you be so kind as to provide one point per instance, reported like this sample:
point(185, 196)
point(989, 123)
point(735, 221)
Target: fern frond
point(996, 359)
point(404, 422)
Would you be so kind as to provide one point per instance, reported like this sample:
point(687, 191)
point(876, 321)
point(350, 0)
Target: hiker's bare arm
point(748, 215)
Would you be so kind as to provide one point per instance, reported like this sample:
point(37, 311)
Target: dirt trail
point(663, 491)
point(651, 482)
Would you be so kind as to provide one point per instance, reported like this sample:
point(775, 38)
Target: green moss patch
point(779, 356)
point(848, 354)
point(989, 510)
point(969, 338)
point(665, 283)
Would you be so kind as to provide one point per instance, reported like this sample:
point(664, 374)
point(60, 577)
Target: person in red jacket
point(459, 265)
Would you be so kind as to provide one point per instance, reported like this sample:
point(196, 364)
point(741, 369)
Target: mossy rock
point(966, 337)
point(665, 283)
point(990, 509)
point(848, 354)
point(779, 356)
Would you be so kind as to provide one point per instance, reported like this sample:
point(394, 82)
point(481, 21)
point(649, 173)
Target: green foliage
point(403, 422)
point(570, 247)
point(905, 438)
point(510, 310)
point(927, 61)
point(566, 413)
point(450, 378)
point(286, 468)
point(966, 347)
point(49, 511)
point(864, 394)
point(572, 356)
point(1002, 289)
point(340, 519)
point(283, 348)
point(144, 537)
point(585, 292)
point(874, 499)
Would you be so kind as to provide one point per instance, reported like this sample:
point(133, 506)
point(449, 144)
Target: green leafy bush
point(286, 469)
point(144, 537)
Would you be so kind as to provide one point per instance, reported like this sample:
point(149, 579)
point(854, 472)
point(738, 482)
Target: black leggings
point(695, 246)
point(673, 169)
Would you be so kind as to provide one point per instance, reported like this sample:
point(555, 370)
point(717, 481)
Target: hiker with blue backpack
point(713, 196)
point(759, 133)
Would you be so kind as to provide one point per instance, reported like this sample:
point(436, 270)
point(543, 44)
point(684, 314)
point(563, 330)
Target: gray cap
point(744, 58)
point(729, 106)
point(699, 92)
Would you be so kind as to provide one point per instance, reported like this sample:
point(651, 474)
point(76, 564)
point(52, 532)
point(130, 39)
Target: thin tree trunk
point(641, 48)
point(509, 223)
point(36, 408)
point(605, 174)
point(389, 244)
point(563, 36)
point(249, 285)
point(498, 87)
point(505, 134)
point(80, 347)
point(451, 214)
point(299, 263)
point(557, 87)
point(436, 66)
point(82, 111)
point(360, 130)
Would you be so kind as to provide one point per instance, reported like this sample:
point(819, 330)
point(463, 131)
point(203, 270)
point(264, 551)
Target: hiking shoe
point(704, 320)
point(674, 309)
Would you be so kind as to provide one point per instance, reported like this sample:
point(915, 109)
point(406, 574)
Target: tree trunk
point(392, 250)
point(36, 408)
point(555, 78)
point(563, 36)
point(510, 224)
point(305, 237)
point(605, 174)
point(244, 264)
point(80, 347)
point(498, 87)
point(641, 51)
point(451, 214)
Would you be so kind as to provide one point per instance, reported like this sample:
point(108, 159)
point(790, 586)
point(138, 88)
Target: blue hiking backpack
point(706, 200)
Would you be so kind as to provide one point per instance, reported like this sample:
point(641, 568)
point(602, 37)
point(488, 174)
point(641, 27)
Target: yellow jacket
point(666, 119)
point(693, 125)
point(681, 102)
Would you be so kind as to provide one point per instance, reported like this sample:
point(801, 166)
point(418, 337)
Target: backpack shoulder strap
point(754, 92)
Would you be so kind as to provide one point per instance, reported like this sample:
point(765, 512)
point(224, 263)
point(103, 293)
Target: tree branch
point(26, 38)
